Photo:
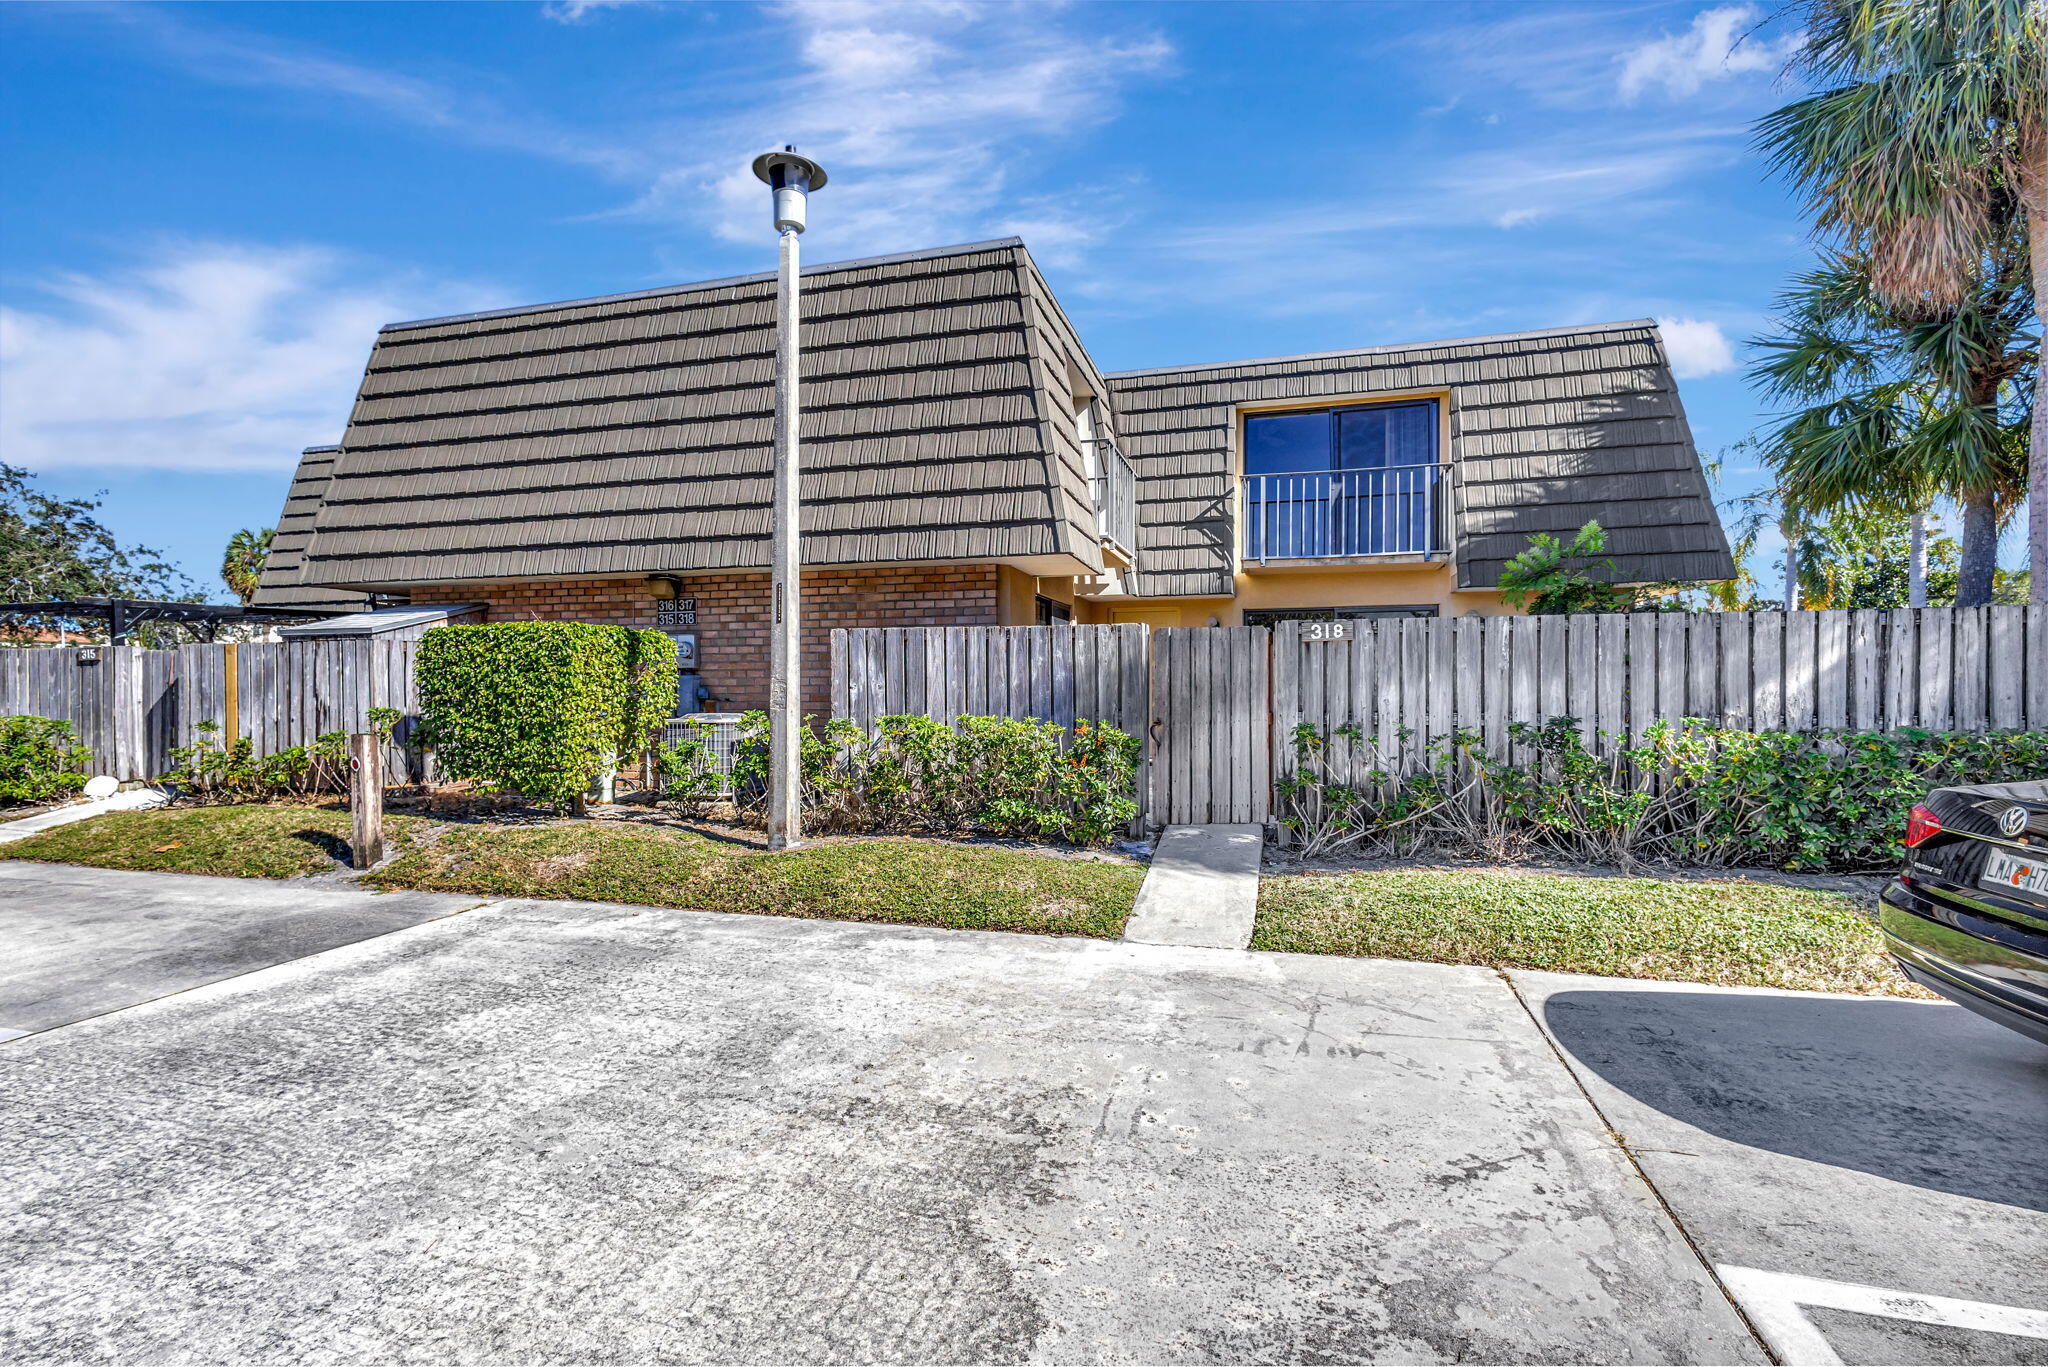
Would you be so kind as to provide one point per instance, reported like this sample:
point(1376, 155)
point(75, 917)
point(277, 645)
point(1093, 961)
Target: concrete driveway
point(81, 942)
point(1879, 1143)
point(557, 1132)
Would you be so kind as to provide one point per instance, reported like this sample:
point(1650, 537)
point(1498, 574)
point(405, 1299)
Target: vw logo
point(2012, 820)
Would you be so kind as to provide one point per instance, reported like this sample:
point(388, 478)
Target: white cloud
point(1696, 347)
point(237, 57)
point(927, 112)
point(1717, 46)
point(921, 112)
point(209, 357)
point(578, 11)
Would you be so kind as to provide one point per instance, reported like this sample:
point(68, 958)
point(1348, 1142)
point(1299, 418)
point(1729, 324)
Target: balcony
point(1393, 511)
point(1115, 487)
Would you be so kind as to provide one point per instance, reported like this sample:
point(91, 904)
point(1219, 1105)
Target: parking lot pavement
point(1862, 1141)
point(562, 1132)
point(80, 942)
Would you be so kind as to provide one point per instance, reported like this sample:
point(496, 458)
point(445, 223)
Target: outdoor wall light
point(665, 586)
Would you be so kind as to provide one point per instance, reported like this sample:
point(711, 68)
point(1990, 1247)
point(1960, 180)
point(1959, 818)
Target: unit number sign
point(679, 612)
point(1339, 630)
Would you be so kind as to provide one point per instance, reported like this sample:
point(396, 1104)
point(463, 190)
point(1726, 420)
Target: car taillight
point(1921, 826)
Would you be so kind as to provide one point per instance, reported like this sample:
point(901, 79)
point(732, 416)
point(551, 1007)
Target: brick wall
point(732, 615)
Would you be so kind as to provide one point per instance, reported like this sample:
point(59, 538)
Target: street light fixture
point(791, 178)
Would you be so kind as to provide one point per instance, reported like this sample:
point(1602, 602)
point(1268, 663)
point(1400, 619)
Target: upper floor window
point(1357, 437)
point(1348, 480)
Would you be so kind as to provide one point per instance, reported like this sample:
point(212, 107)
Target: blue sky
point(210, 208)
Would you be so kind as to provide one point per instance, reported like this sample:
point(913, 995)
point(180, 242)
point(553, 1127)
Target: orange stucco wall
point(1368, 586)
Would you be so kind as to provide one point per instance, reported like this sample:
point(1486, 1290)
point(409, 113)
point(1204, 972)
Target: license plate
point(2010, 872)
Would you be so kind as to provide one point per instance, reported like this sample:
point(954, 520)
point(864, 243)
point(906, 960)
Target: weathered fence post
point(366, 798)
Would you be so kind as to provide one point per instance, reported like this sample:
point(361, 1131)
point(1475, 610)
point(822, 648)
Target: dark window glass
point(1053, 613)
point(1267, 617)
point(1392, 434)
point(1285, 442)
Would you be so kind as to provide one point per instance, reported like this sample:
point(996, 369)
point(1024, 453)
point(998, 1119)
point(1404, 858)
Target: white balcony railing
point(1116, 496)
point(1341, 514)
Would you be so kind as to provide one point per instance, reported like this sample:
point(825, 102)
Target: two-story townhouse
point(966, 463)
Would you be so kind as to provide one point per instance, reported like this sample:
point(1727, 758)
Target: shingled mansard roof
point(631, 434)
point(1549, 430)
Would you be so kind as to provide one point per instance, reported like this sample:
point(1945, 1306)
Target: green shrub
point(998, 775)
point(1689, 793)
point(542, 708)
point(40, 760)
point(208, 772)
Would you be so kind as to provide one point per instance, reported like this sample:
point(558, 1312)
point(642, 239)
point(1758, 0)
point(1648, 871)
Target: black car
point(1969, 915)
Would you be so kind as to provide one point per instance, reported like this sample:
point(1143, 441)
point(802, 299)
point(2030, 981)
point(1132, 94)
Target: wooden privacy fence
point(117, 699)
point(131, 706)
point(1218, 707)
point(1401, 682)
point(1055, 673)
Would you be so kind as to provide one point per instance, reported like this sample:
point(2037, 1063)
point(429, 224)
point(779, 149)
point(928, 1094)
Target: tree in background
point(1862, 558)
point(1857, 556)
point(241, 565)
point(1901, 410)
point(1925, 147)
point(1553, 577)
point(56, 548)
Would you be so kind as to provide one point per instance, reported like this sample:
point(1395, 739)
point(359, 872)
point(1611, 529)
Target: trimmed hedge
point(40, 760)
point(1001, 776)
point(542, 708)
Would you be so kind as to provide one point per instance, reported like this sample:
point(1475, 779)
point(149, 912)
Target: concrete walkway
point(131, 800)
point(1202, 889)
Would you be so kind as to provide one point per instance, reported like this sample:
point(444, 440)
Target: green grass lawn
point(1735, 933)
point(909, 882)
point(234, 842)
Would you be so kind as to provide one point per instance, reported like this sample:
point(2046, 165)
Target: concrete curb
point(134, 800)
point(1202, 888)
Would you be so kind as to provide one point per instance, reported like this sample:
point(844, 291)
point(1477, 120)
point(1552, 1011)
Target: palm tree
point(1926, 146)
point(241, 565)
point(1900, 410)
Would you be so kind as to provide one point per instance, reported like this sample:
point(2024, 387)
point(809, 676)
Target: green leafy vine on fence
point(1689, 793)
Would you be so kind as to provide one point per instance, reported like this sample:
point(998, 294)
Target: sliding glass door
point(1352, 481)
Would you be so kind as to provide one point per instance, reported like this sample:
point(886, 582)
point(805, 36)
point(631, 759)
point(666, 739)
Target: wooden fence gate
point(1212, 756)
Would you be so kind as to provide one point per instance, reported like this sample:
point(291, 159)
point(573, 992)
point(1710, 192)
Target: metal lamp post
point(791, 178)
